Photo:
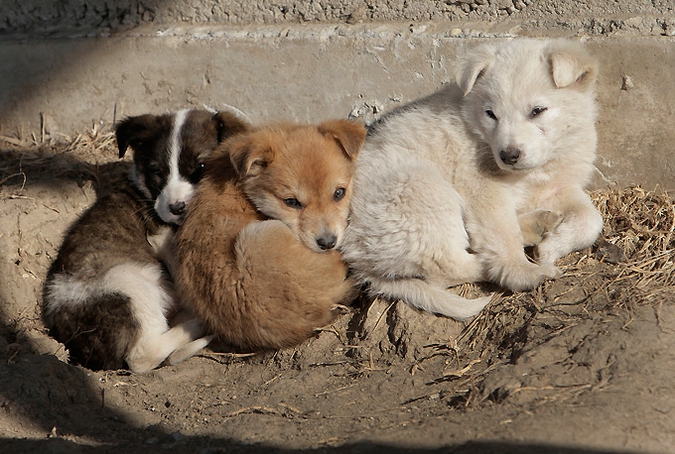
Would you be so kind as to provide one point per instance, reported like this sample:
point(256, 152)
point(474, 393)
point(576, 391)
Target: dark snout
point(326, 242)
point(510, 156)
point(177, 208)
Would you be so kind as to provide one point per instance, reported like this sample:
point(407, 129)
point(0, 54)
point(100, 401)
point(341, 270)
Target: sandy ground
point(583, 364)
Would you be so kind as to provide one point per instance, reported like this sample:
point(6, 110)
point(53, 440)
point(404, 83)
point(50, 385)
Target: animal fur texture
point(449, 188)
point(261, 283)
point(108, 296)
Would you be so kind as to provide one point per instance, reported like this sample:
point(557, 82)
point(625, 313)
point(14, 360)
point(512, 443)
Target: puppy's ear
point(228, 124)
point(572, 66)
point(471, 66)
point(348, 134)
point(250, 154)
point(132, 131)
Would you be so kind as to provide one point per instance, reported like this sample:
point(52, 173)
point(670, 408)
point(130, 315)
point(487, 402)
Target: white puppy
point(448, 188)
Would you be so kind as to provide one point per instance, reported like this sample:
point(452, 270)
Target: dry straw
point(80, 157)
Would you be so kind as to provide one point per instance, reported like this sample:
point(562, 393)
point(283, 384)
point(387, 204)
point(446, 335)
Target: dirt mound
point(581, 361)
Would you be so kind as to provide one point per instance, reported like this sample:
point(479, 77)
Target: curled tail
point(428, 297)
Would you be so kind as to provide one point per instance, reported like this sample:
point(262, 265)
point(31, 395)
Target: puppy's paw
point(189, 350)
point(549, 271)
point(161, 240)
point(537, 224)
point(549, 220)
point(527, 276)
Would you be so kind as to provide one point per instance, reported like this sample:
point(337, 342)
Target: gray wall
point(66, 65)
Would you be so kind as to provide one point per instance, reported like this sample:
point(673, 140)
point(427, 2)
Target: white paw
point(189, 350)
point(527, 277)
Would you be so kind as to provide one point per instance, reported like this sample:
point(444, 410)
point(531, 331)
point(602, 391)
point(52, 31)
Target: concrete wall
point(46, 16)
point(64, 65)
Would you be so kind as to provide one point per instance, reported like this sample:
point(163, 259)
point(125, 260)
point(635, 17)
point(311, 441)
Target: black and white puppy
point(108, 296)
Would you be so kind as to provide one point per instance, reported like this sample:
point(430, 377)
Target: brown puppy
point(261, 283)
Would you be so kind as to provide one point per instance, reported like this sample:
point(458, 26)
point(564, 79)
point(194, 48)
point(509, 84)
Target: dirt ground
point(583, 364)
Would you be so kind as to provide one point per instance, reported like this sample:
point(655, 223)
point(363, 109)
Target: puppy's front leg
point(581, 226)
point(496, 236)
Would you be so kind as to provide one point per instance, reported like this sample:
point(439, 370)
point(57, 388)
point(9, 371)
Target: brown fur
point(306, 164)
point(248, 277)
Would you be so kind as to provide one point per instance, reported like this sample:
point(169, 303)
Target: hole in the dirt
point(498, 396)
point(395, 339)
point(514, 343)
point(356, 324)
point(457, 401)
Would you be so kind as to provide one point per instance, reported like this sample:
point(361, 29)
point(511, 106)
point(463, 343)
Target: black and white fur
point(108, 296)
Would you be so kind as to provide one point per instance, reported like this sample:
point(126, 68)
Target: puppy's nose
point(177, 208)
point(509, 156)
point(326, 242)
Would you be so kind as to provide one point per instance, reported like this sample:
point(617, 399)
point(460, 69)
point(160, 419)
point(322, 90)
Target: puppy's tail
point(428, 297)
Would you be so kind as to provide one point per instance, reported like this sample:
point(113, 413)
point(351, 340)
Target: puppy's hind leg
point(410, 225)
point(151, 298)
point(174, 345)
point(189, 350)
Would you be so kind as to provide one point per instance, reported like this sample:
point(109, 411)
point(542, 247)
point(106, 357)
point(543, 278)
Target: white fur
point(177, 189)
point(132, 279)
point(430, 181)
point(146, 286)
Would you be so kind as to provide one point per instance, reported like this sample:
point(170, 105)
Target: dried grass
point(91, 156)
point(638, 233)
point(641, 224)
point(62, 156)
point(631, 265)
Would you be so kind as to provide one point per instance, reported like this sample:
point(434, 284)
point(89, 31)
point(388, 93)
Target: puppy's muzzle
point(177, 209)
point(326, 242)
point(510, 156)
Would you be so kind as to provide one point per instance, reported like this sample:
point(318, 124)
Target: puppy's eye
point(198, 173)
point(491, 114)
point(538, 110)
point(154, 170)
point(339, 194)
point(293, 203)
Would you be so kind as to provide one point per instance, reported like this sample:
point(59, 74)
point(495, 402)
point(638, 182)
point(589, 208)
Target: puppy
point(107, 295)
point(260, 283)
point(482, 164)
